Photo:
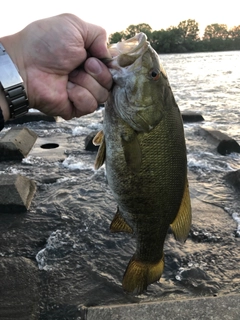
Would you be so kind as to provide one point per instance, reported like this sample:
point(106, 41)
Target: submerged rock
point(89, 146)
point(228, 146)
point(225, 144)
point(191, 116)
point(233, 178)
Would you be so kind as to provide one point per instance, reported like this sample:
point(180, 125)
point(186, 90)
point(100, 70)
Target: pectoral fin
point(119, 224)
point(132, 153)
point(182, 223)
point(139, 274)
point(99, 139)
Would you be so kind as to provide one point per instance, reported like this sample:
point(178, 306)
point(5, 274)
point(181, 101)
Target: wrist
point(13, 98)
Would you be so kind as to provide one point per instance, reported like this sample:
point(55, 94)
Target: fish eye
point(155, 75)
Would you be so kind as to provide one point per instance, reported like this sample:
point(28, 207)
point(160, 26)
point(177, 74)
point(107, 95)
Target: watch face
point(9, 75)
point(12, 84)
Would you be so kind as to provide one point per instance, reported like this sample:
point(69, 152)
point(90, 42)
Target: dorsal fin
point(182, 223)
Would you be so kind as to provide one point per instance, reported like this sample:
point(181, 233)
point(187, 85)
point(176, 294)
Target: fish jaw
point(129, 47)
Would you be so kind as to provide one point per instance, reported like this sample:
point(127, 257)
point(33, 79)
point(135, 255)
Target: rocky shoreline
point(214, 285)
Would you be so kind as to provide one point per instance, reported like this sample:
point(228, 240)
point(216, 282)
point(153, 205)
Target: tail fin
point(140, 274)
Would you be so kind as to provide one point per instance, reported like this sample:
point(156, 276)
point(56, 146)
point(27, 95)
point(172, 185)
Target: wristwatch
point(12, 85)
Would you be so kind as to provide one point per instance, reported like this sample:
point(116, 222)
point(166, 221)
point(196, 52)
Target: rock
point(32, 117)
point(191, 116)
point(16, 144)
point(16, 193)
point(233, 178)
point(225, 144)
point(228, 146)
point(19, 298)
point(225, 307)
point(89, 146)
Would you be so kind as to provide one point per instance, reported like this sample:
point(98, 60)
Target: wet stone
point(233, 178)
point(217, 308)
point(16, 193)
point(191, 116)
point(19, 298)
point(16, 144)
point(225, 144)
point(228, 146)
point(32, 117)
point(88, 142)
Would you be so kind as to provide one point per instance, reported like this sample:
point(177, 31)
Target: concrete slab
point(16, 144)
point(51, 149)
point(214, 308)
point(16, 193)
point(32, 117)
point(19, 294)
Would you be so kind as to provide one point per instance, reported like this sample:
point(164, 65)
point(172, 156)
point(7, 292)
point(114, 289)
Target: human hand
point(58, 59)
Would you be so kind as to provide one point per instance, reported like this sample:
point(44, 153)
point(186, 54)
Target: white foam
point(236, 217)
point(72, 164)
point(78, 131)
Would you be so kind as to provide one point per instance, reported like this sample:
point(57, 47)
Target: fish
point(142, 145)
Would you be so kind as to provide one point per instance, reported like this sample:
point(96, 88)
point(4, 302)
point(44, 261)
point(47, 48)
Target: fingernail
point(70, 85)
point(93, 66)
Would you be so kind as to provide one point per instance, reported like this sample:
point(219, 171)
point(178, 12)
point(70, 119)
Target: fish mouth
point(126, 52)
point(128, 46)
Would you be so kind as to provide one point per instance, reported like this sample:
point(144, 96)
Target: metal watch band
point(17, 100)
point(12, 86)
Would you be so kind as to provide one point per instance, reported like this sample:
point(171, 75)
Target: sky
point(117, 15)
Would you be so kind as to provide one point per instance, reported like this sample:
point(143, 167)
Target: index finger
point(96, 41)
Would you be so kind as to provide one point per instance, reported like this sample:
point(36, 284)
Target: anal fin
point(140, 274)
point(119, 224)
point(182, 223)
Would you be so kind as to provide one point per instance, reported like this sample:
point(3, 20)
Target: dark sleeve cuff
point(1, 120)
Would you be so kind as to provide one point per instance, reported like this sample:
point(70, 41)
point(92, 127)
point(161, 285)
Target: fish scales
point(146, 165)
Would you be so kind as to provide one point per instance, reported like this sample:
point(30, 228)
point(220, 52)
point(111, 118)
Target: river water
point(80, 261)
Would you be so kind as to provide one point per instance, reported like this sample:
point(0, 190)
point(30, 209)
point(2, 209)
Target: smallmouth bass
point(143, 147)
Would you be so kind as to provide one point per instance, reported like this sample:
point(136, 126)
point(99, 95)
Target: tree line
point(185, 37)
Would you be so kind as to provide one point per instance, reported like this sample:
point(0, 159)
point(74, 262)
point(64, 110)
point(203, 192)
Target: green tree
point(234, 33)
point(189, 34)
point(215, 31)
point(189, 29)
point(116, 37)
point(132, 30)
